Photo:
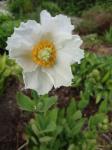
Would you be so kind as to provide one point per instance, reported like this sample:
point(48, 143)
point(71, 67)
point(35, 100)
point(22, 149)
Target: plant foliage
point(69, 128)
point(7, 24)
point(7, 68)
point(108, 36)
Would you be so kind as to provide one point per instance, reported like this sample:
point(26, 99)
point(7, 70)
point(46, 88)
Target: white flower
point(45, 51)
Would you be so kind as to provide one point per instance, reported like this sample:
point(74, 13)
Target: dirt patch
point(64, 95)
point(12, 119)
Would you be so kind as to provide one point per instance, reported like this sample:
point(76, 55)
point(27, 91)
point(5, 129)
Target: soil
point(65, 94)
point(102, 49)
point(13, 120)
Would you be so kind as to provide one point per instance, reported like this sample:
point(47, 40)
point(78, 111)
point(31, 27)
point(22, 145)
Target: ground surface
point(3, 7)
point(12, 120)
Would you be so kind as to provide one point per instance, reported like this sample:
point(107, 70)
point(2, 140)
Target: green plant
point(54, 128)
point(91, 40)
point(5, 17)
point(70, 128)
point(94, 80)
point(31, 8)
point(71, 7)
point(6, 29)
point(7, 68)
point(20, 7)
point(108, 36)
point(51, 7)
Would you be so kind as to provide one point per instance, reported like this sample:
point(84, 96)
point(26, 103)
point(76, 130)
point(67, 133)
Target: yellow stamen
point(44, 53)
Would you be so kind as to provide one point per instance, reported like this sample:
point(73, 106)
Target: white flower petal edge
point(29, 30)
point(21, 42)
point(59, 23)
point(72, 48)
point(37, 80)
point(26, 33)
point(59, 27)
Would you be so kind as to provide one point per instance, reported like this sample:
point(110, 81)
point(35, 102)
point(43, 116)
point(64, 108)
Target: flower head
point(45, 51)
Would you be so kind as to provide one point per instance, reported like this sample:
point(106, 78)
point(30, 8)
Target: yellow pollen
point(44, 53)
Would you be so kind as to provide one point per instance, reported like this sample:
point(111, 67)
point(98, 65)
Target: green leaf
point(43, 147)
point(103, 106)
point(52, 115)
point(46, 103)
point(96, 119)
point(2, 62)
point(77, 115)
point(35, 129)
point(25, 102)
point(34, 95)
point(71, 108)
point(78, 126)
point(83, 103)
point(51, 127)
point(34, 140)
point(106, 77)
point(71, 147)
point(45, 139)
point(98, 97)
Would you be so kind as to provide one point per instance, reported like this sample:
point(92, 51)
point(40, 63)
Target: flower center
point(44, 53)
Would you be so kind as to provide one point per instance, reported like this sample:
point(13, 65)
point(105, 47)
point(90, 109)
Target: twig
point(22, 146)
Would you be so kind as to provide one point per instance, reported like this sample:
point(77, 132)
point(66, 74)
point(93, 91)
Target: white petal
point(38, 81)
point(45, 17)
point(59, 27)
point(61, 73)
point(26, 63)
point(63, 24)
point(18, 46)
point(31, 31)
point(72, 48)
point(21, 42)
point(24, 37)
point(21, 52)
point(59, 23)
point(74, 41)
